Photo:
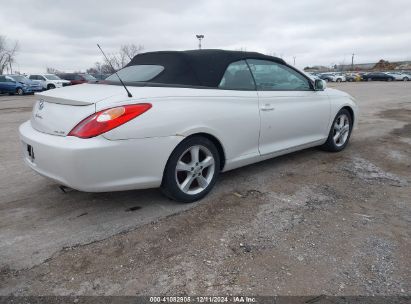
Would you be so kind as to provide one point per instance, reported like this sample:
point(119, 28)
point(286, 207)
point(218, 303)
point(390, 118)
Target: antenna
point(128, 92)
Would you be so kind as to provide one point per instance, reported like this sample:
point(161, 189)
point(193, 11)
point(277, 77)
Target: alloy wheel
point(195, 170)
point(341, 130)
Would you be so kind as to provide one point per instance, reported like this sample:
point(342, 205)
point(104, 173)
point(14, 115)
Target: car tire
point(192, 170)
point(369, 79)
point(51, 86)
point(338, 80)
point(19, 91)
point(340, 132)
point(405, 79)
point(389, 79)
point(350, 80)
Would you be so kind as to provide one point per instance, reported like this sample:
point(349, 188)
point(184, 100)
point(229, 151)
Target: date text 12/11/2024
point(202, 299)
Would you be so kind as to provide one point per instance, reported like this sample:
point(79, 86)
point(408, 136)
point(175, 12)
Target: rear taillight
point(108, 119)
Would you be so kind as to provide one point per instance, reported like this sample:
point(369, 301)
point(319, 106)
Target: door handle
point(267, 107)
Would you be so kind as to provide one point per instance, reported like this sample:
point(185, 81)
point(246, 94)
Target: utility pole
point(352, 62)
point(199, 37)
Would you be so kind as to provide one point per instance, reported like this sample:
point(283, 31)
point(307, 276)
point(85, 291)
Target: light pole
point(352, 62)
point(294, 59)
point(199, 37)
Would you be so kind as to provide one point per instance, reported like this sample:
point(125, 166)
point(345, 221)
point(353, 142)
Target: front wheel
point(191, 170)
point(51, 86)
point(19, 91)
point(340, 132)
point(405, 79)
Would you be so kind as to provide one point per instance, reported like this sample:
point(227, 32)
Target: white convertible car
point(187, 117)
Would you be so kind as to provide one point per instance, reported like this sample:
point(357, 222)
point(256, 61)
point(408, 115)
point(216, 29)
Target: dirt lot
point(303, 224)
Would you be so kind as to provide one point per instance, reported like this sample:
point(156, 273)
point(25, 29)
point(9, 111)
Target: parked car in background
point(179, 130)
point(362, 75)
point(34, 86)
point(332, 77)
point(352, 77)
point(49, 81)
point(10, 86)
point(77, 78)
point(100, 76)
point(339, 77)
point(378, 76)
point(326, 76)
point(399, 76)
point(312, 75)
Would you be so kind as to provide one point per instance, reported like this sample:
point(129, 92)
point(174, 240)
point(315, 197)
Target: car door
point(292, 113)
point(37, 79)
point(7, 85)
point(239, 121)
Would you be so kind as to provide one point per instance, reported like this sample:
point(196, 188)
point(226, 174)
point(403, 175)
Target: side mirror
point(319, 85)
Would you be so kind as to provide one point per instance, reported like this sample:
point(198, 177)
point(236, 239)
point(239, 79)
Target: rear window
point(89, 77)
point(136, 73)
point(19, 78)
point(52, 77)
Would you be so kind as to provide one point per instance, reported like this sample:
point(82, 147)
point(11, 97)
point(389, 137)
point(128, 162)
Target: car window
point(89, 77)
point(272, 76)
point(19, 78)
point(33, 77)
point(51, 77)
point(137, 73)
point(237, 77)
point(2, 79)
point(77, 77)
point(9, 79)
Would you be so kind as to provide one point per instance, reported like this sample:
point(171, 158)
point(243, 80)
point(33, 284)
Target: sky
point(63, 34)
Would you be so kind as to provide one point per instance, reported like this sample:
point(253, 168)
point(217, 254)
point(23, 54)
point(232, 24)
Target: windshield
point(52, 77)
point(135, 73)
point(19, 78)
point(89, 77)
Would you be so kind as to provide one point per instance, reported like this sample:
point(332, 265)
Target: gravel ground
point(303, 224)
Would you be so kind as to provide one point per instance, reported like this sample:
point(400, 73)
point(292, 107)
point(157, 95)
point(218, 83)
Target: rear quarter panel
point(232, 117)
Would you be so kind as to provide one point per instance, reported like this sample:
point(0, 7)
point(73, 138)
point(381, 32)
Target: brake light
point(106, 120)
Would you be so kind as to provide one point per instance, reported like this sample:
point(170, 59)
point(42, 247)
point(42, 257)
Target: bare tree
point(131, 50)
point(53, 71)
point(7, 54)
point(116, 60)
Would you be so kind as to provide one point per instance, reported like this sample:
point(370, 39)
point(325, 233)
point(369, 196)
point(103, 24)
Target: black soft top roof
point(194, 67)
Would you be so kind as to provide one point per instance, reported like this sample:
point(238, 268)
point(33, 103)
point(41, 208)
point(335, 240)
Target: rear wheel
point(339, 80)
point(51, 86)
point(405, 79)
point(19, 91)
point(340, 132)
point(389, 79)
point(191, 170)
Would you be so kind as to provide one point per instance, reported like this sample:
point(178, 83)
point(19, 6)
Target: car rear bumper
point(97, 164)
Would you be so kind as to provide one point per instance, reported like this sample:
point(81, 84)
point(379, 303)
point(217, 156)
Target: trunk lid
point(58, 111)
point(81, 95)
